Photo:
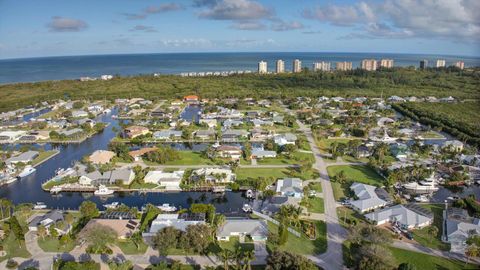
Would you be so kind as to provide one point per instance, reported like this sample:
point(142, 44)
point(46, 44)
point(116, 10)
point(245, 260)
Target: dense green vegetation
point(459, 119)
point(399, 81)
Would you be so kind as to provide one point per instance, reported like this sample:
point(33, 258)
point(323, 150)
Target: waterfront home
point(273, 205)
point(101, 157)
point(167, 134)
point(254, 228)
point(178, 221)
point(169, 180)
point(95, 108)
point(11, 136)
point(136, 154)
point(258, 134)
point(454, 145)
point(233, 135)
point(396, 99)
point(124, 228)
point(205, 134)
point(228, 151)
point(211, 123)
point(84, 121)
point(367, 198)
point(459, 226)
point(292, 187)
point(117, 176)
point(135, 131)
point(70, 132)
point(191, 99)
point(51, 218)
point(406, 217)
point(79, 114)
point(363, 151)
point(24, 157)
point(158, 113)
point(215, 175)
point(284, 139)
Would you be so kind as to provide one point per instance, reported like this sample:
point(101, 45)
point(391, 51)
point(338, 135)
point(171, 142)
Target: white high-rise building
point(262, 67)
point(369, 64)
point(440, 63)
point(297, 66)
point(460, 64)
point(385, 63)
point(280, 67)
point(321, 66)
point(344, 66)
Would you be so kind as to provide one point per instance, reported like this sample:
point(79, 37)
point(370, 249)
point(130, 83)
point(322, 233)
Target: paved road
point(336, 234)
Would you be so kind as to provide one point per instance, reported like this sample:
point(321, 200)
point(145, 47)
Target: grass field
point(357, 173)
point(424, 238)
point(281, 159)
point(128, 247)
point(234, 244)
point(51, 244)
point(303, 245)
point(324, 144)
point(424, 261)
point(186, 158)
point(43, 155)
point(245, 173)
point(316, 205)
point(14, 248)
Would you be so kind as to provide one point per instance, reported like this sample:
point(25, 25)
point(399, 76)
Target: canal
point(28, 190)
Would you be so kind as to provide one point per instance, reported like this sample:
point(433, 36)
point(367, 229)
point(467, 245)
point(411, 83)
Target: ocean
point(74, 67)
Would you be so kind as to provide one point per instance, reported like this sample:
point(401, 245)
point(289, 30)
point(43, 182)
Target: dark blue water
point(28, 190)
point(74, 67)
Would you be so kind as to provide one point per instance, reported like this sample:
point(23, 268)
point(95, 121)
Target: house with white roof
point(459, 226)
point(402, 216)
point(11, 135)
point(454, 145)
point(178, 221)
point(216, 175)
point(284, 139)
point(367, 198)
point(255, 228)
point(292, 187)
point(169, 180)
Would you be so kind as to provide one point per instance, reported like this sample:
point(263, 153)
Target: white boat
point(249, 194)
point(112, 205)
point(39, 205)
point(167, 207)
point(421, 198)
point(427, 185)
point(27, 171)
point(247, 208)
point(103, 191)
point(385, 138)
point(55, 190)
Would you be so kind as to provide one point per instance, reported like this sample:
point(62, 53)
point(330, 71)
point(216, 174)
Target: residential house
point(454, 145)
point(205, 134)
point(259, 152)
point(216, 175)
point(79, 114)
point(367, 198)
point(191, 99)
point(135, 131)
point(229, 123)
point(167, 134)
point(260, 122)
point(211, 123)
point(459, 226)
point(136, 154)
point(124, 228)
point(48, 219)
point(256, 229)
point(406, 217)
point(101, 157)
point(24, 157)
point(234, 135)
point(178, 221)
point(258, 134)
point(292, 187)
point(11, 135)
point(228, 151)
point(284, 139)
point(123, 176)
point(71, 132)
point(169, 180)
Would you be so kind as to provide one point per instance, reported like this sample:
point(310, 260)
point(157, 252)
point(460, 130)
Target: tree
point(341, 177)
point(5, 207)
point(278, 260)
point(199, 236)
point(65, 239)
point(89, 210)
point(123, 265)
point(100, 237)
point(69, 218)
point(248, 257)
point(225, 256)
point(41, 231)
point(166, 239)
point(433, 232)
point(471, 251)
point(407, 266)
point(137, 239)
point(52, 231)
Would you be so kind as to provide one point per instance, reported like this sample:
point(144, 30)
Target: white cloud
point(248, 25)
point(281, 25)
point(235, 10)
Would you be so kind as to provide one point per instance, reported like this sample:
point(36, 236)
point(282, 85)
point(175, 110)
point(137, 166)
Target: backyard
point(356, 173)
point(424, 238)
point(303, 245)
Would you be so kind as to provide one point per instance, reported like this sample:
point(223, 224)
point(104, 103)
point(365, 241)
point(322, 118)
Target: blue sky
point(31, 28)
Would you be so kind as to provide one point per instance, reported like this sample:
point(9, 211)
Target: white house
point(292, 187)
point(459, 226)
point(11, 135)
point(284, 139)
point(367, 198)
point(255, 228)
point(400, 215)
point(217, 175)
point(178, 221)
point(454, 145)
point(169, 180)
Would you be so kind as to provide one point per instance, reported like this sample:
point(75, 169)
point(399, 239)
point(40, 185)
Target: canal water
point(28, 190)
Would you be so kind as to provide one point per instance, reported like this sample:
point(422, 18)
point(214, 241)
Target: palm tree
point(41, 231)
point(225, 256)
point(248, 257)
point(471, 251)
point(432, 231)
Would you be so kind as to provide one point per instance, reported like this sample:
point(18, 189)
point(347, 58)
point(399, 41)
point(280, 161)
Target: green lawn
point(324, 144)
point(136, 185)
point(14, 248)
point(315, 205)
point(51, 244)
point(424, 261)
point(186, 158)
point(65, 180)
point(424, 238)
point(128, 247)
point(234, 243)
point(43, 155)
point(302, 245)
point(316, 186)
point(244, 173)
point(295, 158)
point(347, 216)
point(358, 173)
